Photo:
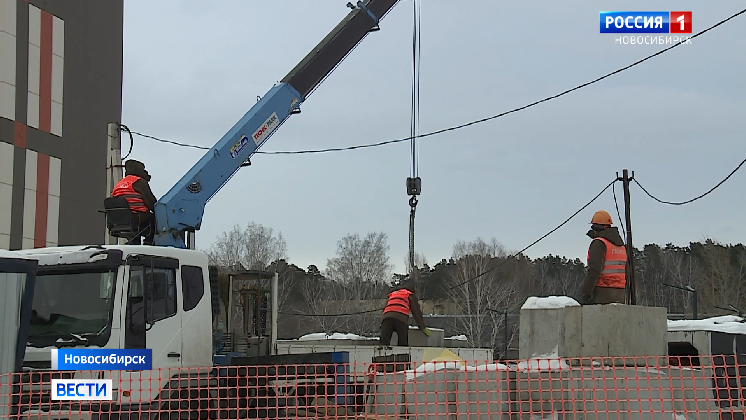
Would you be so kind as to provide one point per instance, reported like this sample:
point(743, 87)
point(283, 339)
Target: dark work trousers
point(391, 325)
point(145, 227)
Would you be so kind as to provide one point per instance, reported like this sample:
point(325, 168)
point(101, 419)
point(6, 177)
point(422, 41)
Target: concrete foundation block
point(432, 396)
point(598, 393)
point(624, 330)
point(482, 395)
point(387, 397)
point(418, 339)
point(631, 331)
point(545, 330)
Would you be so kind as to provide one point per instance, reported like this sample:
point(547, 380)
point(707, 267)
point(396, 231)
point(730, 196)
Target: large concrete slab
point(362, 356)
point(600, 393)
point(546, 330)
point(594, 331)
point(623, 330)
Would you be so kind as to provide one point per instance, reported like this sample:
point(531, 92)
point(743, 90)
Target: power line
point(536, 241)
point(680, 203)
point(491, 269)
point(175, 143)
point(123, 127)
point(458, 127)
point(328, 315)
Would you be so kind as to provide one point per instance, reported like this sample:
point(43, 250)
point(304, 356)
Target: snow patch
point(458, 338)
point(544, 361)
point(551, 302)
point(430, 367)
point(485, 368)
point(333, 336)
point(729, 324)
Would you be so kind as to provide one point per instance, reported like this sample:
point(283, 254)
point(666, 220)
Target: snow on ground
point(430, 367)
point(550, 302)
point(485, 368)
point(544, 361)
point(334, 336)
point(726, 324)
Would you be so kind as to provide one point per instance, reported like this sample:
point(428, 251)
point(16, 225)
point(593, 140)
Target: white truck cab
point(123, 297)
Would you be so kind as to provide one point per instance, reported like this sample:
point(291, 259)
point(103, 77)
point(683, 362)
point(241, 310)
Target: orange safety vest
point(615, 262)
point(398, 302)
point(134, 199)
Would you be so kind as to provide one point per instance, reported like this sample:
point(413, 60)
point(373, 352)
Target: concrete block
point(432, 396)
point(595, 331)
point(418, 339)
point(542, 330)
point(482, 395)
point(700, 340)
point(623, 330)
point(388, 395)
point(452, 343)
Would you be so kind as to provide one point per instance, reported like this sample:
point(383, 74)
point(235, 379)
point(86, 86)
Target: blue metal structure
point(181, 209)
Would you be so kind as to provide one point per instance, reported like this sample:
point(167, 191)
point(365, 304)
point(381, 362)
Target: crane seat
point(119, 219)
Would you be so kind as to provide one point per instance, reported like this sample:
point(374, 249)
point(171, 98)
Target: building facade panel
point(57, 96)
point(8, 41)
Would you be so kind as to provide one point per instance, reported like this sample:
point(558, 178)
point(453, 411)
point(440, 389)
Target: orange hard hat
point(601, 217)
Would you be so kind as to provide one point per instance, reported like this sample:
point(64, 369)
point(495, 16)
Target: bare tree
point(254, 247)
point(360, 260)
point(228, 248)
point(316, 291)
point(368, 297)
point(723, 280)
point(419, 261)
point(477, 288)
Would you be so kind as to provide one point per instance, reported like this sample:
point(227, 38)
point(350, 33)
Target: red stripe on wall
point(42, 200)
point(19, 134)
point(45, 73)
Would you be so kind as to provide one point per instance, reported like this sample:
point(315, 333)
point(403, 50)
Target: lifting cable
point(413, 182)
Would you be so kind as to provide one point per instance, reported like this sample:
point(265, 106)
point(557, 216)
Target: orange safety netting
point(666, 388)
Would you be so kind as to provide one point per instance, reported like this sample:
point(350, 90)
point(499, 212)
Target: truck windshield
point(72, 308)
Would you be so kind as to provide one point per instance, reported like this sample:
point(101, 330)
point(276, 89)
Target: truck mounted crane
point(181, 209)
point(160, 297)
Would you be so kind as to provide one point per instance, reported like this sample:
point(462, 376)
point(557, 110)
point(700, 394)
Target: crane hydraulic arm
point(181, 209)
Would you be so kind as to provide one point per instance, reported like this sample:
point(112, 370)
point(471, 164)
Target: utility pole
point(631, 285)
point(113, 168)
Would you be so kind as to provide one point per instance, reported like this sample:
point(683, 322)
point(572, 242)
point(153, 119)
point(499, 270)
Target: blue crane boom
point(181, 209)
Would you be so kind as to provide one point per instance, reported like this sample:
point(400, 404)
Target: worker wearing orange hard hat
point(606, 279)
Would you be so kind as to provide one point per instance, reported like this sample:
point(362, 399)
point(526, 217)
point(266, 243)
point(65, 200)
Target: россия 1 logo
point(647, 23)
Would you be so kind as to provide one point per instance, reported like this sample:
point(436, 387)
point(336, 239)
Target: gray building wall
point(60, 85)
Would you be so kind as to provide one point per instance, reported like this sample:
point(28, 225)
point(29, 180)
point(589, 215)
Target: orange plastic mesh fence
point(666, 388)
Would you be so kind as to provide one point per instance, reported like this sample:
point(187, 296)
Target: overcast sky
point(193, 68)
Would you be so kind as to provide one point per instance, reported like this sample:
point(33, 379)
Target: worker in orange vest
point(608, 271)
point(402, 301)
point(135, 189)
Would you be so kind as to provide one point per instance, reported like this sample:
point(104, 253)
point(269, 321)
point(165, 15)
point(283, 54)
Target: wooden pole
point(631, 285)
